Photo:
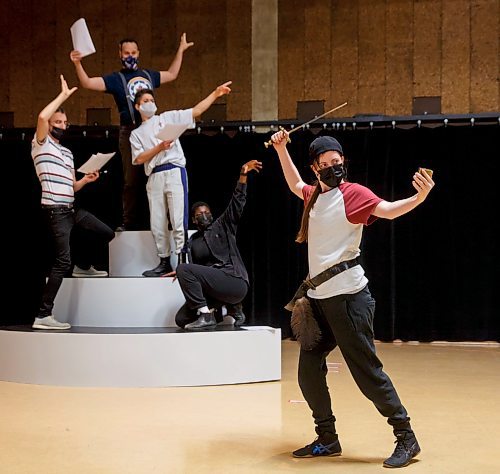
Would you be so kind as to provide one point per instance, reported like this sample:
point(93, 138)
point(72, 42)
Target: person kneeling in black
point(216, 276)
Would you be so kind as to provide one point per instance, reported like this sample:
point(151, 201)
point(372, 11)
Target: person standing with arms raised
point(124, 85)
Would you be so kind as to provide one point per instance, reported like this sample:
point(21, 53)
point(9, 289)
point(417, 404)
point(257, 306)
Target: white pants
point(167, 195)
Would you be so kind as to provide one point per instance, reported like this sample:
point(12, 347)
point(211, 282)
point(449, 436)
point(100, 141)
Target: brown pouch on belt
point(305, 328)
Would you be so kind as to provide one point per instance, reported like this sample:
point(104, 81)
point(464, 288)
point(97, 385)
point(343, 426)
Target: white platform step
point(152, 358)
point(119, 302)
point(133, 252)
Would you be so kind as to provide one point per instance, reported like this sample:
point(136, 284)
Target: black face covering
point(57, 132)
point(332, 176)
point(203, 220)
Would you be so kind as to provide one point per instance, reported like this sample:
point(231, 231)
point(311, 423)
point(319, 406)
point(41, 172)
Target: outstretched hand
point(252, 165)
point(183, 45)
point(223, 89)
point(65, 90)
point(423, 183)
point(75, 56)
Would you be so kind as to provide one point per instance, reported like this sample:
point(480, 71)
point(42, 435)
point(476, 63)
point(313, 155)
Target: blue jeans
point(62, 220)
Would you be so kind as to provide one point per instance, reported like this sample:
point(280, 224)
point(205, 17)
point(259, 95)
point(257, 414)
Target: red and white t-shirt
point(335, 229)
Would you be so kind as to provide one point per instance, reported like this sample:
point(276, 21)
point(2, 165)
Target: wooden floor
point(452, 393)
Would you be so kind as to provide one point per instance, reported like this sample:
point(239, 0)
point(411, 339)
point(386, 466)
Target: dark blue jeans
point(61, 222)
point(346, 321)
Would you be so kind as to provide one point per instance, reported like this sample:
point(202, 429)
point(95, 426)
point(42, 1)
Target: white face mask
point(148, 109)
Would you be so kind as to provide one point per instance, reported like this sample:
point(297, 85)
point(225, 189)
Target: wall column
point(264, 60)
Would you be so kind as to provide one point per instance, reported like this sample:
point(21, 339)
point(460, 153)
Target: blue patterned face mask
point(130, 63)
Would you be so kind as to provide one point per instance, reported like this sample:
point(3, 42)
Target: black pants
point(346, 321)
point(134, 197)
point(206, 286)
point(61, 221)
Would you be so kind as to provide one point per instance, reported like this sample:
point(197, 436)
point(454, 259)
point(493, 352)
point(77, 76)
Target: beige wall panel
point(371, 75)
point(344, 57)
point(45, 79)
point(189, 83)
point(399, 57)
point(239, 59)
point(213, 61)
point(484, 56)
point(5, 79)
point(164, 43)
point(114, 31)
point(21, 66)
point(456, 57)
point(317, 29)
point(291, 53)
point(427, 48)
point(93, 14)
point(64, 18)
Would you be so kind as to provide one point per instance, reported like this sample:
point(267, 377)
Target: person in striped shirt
point(55, 169)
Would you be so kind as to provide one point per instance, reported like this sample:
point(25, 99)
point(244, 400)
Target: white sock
point(203, 309)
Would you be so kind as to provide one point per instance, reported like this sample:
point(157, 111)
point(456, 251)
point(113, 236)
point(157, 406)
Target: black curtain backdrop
point(433, 271)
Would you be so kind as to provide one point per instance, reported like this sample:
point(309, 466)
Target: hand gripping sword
point(270, 142)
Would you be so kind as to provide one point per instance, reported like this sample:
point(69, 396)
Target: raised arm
point(422, 182)
point(92, 83)
point(42, 126)
point(173, 71)
point(290, 171)
point(202, 106)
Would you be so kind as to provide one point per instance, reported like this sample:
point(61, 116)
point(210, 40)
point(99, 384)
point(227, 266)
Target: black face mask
point(57, 133)
point(332, 176)
point(203, 220)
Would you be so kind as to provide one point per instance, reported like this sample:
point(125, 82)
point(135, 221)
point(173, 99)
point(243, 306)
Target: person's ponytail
point(304, 224)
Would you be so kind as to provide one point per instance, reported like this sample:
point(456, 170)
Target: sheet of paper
point(95, 162)
point(172, 131)
point(81, 38)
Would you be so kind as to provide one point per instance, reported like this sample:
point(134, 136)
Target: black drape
point(433, 271)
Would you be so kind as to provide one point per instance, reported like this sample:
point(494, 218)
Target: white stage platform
point(124, 334)
point(86, 357)
point(133, 252)
point(119, 302)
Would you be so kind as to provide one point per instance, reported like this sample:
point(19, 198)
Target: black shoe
point(406, 449)
point(205, 321)
point(236, 311)
point(324, 445)
point(161, 269)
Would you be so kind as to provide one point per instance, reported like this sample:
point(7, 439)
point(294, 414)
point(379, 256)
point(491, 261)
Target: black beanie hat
point(322, 144)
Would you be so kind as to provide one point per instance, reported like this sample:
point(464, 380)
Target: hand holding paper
point(95, 162)
point(82, 41)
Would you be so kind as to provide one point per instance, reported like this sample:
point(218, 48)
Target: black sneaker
point(406, 449)
point(321, 446)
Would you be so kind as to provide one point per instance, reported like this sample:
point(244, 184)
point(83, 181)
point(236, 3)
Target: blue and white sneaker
point(326, 445)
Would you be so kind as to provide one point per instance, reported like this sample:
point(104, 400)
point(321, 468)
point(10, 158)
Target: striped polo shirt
point(55, 169)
